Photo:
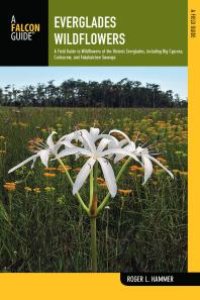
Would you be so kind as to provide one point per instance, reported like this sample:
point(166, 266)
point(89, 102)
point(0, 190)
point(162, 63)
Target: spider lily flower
point(126, 144)
point(128, 147)
point(146, 158)
point(67, 140)
point(81, 136)
point(95, 153)
point(43, 152)
point(77, 135)
point(147, 162)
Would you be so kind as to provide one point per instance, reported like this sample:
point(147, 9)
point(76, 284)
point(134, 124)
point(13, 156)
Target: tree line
point(79, 93)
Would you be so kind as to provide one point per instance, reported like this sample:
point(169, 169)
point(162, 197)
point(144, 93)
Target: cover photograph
point(95, 149)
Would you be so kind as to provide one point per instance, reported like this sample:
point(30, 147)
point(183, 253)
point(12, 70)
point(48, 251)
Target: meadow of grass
point(42, 226)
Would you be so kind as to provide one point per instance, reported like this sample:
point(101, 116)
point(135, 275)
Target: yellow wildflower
point(125, 192)
point(184, 173)
point(10, 186)
point(62, 169)
point(49, 174)
point(28, 189)
point(37, 190)
point(49, 189)
point(135, 168)
point(50, 169)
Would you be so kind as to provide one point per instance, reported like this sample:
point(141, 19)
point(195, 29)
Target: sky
point(169, 78)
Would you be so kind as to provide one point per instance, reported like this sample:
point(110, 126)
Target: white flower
point(98, 148)
point(125, 144)
point(129, 146)
point(44, 153)
point(95, 153)
point(147, 162)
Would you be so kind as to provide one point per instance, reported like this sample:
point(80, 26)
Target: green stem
point(93, 214)
point(106, 199)
point(93, 243)
point(93, 191)
point(91, 187)
point(119, 225)
point(72, 183)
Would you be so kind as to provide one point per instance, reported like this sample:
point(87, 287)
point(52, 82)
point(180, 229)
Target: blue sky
point(174, 78)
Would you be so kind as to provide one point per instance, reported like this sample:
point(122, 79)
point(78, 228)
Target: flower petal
point(148, 167)
point(123, 142)
point(109, 176)
point(67, 144)
point(139, 151)
point(102, 145)
point(33, 163)
point(33, 157)
point(161, 165)
point(88, 139)
point(74, 150)
point(120, 151)
point(128, 148)
point(68, 137)
point(49, 140)
point(83, 174)
point(120, 132)
point(94, 132)
point(44, 156)
point(112, 139)
point(113, 142)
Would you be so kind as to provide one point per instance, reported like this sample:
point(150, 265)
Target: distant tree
point(79, 93)
point(1, 97)
point(41, 94)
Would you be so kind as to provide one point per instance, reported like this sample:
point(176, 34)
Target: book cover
point(98, 138)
